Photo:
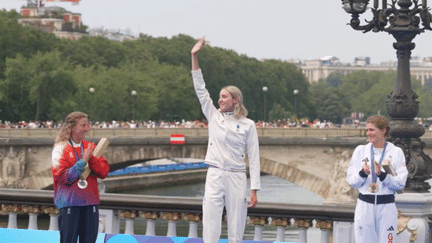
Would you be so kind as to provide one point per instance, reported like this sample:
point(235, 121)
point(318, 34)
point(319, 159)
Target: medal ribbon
point(76, 154)
point(374, 175)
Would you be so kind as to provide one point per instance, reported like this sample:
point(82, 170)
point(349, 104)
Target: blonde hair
point(240, 110)
point(380, 122)
point(66, 128)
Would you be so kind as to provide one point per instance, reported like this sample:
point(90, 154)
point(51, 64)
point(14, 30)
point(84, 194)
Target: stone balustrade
point(174, 209)
point(334, 221)
point(194, 132)
point(191, 132)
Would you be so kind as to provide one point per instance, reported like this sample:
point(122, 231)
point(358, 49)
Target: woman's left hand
point(377, 168)
point(253, 199)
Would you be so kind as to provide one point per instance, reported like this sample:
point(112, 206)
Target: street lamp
point(265, 91)
point(403, 22)
point(295, 102)
point(91, 90)
point(133, 93)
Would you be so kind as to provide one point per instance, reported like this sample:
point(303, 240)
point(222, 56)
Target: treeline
point(364, 92)
point(45, 78)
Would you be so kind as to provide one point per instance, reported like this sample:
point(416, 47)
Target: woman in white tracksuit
point(231, 136)
point(376, 214)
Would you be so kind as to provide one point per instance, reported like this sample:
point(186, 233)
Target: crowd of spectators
point(283, 123)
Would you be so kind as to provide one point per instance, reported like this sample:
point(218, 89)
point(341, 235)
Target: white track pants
point(372, 220)
point(229, 189)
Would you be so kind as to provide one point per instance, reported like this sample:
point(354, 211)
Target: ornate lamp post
point(403, 22)
point(265, 92)
point(295, 101)
point(91, 90)
point(133, 93)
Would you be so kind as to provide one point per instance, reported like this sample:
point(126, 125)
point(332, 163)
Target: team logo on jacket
point(390, 238)
point(71, 155)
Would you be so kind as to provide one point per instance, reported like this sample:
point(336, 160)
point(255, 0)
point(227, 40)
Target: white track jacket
point(391, 183)
point(229, 139)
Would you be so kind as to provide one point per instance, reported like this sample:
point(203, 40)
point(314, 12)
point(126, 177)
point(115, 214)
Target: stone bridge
point(316, 164)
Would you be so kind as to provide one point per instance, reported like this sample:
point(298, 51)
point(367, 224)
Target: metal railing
point(173, 209)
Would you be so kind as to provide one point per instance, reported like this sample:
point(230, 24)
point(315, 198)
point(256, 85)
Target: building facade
point(56, 20)
point(314, 70)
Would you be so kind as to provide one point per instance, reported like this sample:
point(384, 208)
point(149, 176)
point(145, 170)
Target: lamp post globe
point(133, 93)
point(91, 90)
point(295, 101)
point(264, 89)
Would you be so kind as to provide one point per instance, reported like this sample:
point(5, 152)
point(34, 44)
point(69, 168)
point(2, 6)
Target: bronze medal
point(373, 187)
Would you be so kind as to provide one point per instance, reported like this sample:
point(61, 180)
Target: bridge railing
point(336, 218)
point(196, 132)
point(191, 132)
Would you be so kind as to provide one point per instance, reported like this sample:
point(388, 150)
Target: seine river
point(273, 190)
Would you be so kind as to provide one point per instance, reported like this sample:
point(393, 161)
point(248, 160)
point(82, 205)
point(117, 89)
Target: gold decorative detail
point(413, 237)
point(50, 210)
point(171, 216)
point(328, 225)
point(192, 217)
point(280, 222)
point(304, 223)
point(402, 222)
point(31, 209)
point(150, 215)
point(258, 220)
point(130, 214)
point(11, 208)
point(402, 225)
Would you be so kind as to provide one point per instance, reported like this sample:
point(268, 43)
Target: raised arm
point(194, 52)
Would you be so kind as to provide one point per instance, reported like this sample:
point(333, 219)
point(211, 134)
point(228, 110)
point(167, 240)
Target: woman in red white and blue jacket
point(79, 210)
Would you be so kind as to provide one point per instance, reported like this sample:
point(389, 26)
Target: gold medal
point(373, 187)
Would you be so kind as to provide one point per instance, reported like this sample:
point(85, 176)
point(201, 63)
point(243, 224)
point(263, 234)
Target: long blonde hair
point(66, 128)
point(239, 109)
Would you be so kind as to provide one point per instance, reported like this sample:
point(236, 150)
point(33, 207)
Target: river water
point(273, 190)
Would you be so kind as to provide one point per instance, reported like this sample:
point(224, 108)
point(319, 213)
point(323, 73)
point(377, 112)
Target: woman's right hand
point(197, 46)
point(88, 152)
point(366, 168)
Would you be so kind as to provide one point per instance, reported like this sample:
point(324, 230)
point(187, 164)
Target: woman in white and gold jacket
point(375, 215)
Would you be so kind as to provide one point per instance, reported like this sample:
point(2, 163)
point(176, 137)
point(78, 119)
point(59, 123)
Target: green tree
point(374, 100)
point(331, 104)
point(278, 113)
point(90, 51)
point(355, 84)
point(225, 67)
point(16, 39)
point(33, 86)
point(424, 93)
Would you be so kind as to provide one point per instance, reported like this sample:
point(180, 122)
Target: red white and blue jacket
point(66, 171)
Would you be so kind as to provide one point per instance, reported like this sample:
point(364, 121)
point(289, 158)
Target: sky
point(270, 29)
